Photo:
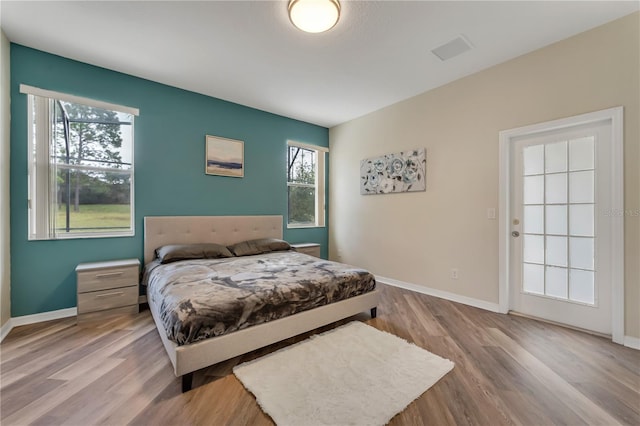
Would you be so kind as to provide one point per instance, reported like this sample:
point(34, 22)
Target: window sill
point(289, 226)
point(83, 236)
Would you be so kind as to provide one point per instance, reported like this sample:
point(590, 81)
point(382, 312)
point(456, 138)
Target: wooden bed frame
point(226, 230)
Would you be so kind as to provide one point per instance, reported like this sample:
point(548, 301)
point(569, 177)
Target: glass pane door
point(558, 220)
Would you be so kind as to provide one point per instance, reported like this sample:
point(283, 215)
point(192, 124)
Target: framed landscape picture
point(224, 157)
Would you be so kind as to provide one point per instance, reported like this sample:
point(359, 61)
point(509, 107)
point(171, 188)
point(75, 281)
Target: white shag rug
point(352, 375)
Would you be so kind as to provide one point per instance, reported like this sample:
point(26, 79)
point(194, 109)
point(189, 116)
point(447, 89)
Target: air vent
point(453, 48)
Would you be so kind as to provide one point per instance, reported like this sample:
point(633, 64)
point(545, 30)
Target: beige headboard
point(226, 230)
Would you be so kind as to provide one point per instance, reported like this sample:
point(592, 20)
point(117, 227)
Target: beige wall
point(5, 282)
point(418, 237)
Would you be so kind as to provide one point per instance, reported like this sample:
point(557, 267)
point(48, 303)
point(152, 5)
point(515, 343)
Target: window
point(80, 167)
point(305, 184)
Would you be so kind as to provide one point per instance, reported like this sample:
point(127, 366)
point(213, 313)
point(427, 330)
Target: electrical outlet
point(454, 273)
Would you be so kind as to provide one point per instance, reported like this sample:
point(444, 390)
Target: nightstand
point(312, 249)
point(107, 288)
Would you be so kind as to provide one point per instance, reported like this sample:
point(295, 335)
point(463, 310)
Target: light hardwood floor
point(509, 370)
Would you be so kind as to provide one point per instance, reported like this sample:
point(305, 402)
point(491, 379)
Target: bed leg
point(374, 312)
point(187, 381)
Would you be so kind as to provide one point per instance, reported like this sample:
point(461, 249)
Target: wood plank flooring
point(509, 370)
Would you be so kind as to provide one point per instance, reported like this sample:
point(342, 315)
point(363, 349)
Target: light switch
point(491, 213)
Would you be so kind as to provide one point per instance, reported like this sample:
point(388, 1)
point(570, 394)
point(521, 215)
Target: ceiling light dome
point(314, 16)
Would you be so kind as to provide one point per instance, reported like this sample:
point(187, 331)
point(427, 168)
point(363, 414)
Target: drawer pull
point(109, 275)
point(117, 293)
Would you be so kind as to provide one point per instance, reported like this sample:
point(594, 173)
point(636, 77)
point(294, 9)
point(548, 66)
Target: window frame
point(40, 168)
point(320, 185)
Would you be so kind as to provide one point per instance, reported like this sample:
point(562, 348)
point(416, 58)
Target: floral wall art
point(400, 172)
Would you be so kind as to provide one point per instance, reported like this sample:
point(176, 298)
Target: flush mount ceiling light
point(314, 16)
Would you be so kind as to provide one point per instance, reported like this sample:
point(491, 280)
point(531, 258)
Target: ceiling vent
point(453, 48)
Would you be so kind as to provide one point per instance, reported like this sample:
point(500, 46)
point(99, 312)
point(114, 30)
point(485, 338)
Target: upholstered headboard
point(226, 230)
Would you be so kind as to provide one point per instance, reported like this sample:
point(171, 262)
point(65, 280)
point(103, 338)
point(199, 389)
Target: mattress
point(203, 298)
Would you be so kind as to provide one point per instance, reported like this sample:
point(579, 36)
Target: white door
point(560, 236)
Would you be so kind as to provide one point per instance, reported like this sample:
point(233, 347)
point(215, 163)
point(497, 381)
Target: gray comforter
point(198, 299)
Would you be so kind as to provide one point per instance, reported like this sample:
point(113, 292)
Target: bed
point(190, 351)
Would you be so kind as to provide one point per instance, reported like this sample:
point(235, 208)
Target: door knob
point(515, 234)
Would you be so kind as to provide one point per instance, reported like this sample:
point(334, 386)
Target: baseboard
point(44, 316)
point(6, 328)
point(632, 342)
point(477, 303)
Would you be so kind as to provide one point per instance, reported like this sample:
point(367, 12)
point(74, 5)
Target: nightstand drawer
point(107, 299)
point(107, 288)
point(312, 249)
point(107, 279)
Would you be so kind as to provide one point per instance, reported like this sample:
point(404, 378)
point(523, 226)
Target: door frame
point(614, 117)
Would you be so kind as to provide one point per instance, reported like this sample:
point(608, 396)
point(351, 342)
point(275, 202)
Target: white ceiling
point(249, 53)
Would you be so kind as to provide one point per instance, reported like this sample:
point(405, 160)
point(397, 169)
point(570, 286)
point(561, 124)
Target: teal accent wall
point(169, 169)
